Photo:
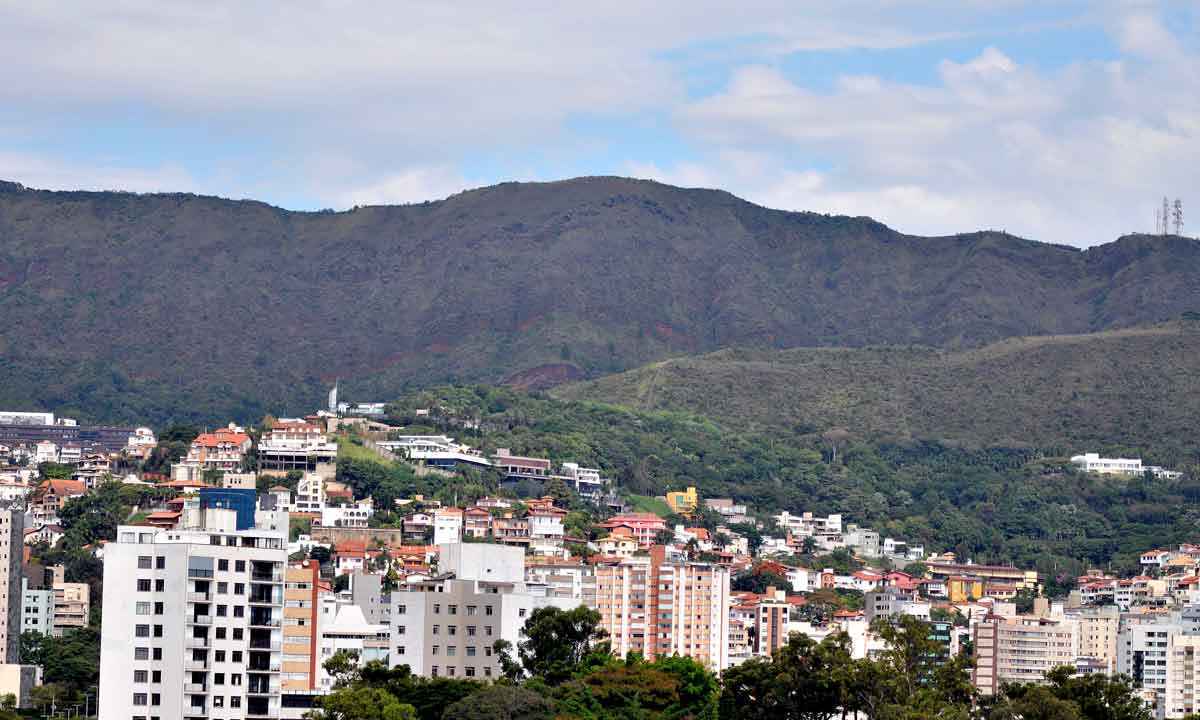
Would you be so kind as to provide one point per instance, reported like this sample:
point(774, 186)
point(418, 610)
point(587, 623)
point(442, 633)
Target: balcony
point(273, 646)
point(196, 665)
point(199, 573)
point(199, 597)
point(267, 577)
point(197, 642)
point(264, 622)
point(195, 688)
point(200, 620)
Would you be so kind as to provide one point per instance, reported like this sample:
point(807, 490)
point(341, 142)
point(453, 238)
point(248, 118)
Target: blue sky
point(1060, 121)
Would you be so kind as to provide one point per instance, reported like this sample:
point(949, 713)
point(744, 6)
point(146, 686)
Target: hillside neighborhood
point(267, 544)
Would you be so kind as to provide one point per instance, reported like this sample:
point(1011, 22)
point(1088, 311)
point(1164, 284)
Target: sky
point(1059, 120)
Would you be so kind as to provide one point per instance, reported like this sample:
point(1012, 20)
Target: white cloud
point(1074, 155)
point(46, 173)
point(411, 185)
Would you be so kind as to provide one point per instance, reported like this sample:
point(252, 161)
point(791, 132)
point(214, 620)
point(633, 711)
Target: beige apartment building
point(1021, 649)
point(1098, 634)
point(300, 603)
point(654, 607)
point(72, 605)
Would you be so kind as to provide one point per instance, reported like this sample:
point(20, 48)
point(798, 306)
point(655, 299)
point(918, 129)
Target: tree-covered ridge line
point(1024, 505)
point(1121, 392)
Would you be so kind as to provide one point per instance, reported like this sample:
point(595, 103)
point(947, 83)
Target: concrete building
point(1098, 628)
point(654, 607)
point(192, 615)
point(1021, 649)
point(447, 526)
point(294, 445)
point(349, 631)
point(1128, 467)
point(37, 607)
point(72, 607)
point(445, 626)
point(19, 681)
point(12, 552)
point(300, 649)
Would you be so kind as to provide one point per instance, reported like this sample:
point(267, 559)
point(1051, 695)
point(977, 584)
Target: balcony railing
point(197, 642)
point(201, 620)
point(195, 688)
point(199, 597)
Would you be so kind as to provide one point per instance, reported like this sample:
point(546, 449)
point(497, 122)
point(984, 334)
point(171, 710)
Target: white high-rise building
point(193, 615)
point(446, 626)
point(12, 547)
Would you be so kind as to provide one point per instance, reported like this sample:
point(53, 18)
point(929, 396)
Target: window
point(235, 679)
point(452, 629)
point(400, 630)
point(158, 630)
point(141, 676)
point(218, 656)
point(521, 612)
point(157, 653)
point(156, 677)
point(470, 631)
point(143, 585)
point(223, 588)
point(470, 651)
point(237, 633)
point(218, 701)
point(142, 608)
point(433, 671)
point(158, 608)
point(222, 610)
point(160, 563)
point(160, 585)
point(239, 611)
point(471, 609)
point(155, 699)
point(451, 650)
point(437, 609)
point(487, 651)
point(487, 671)
point(241, 565)
point(239, 588)
point(399, 649)
point(469, 671)
point(141, 631)
point(450, 671)
point(235, 702)
point(487, 610)
point(435, 650)
point(487, 630)
point(436, 628)
point(401, 609)
point(222, 564)
point(141, 653)
point(218, 678)
point(145, 562)
point(453, 609)
point(220, 633)
point(139, 698)
point(237, 656)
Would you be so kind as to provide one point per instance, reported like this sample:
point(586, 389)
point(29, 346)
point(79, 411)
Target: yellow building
point(683, 502)
point(964, 589)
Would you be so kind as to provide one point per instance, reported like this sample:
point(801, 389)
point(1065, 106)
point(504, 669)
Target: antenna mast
point(1166, 216)
point(1178, 216)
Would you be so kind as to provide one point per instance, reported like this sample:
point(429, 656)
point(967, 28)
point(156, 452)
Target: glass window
point(145, 562)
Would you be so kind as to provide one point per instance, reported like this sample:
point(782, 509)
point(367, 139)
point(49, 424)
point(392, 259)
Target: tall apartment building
point(1021, 649)
point(12, 550)
point(1098, 635)
point(300, 646)
point(654, 607)
point(446, 626)
point(1163, 659)
point(193, 615)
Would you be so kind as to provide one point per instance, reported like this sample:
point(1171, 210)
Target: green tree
point(362, 703)
point(501, 702)
point(560, 643)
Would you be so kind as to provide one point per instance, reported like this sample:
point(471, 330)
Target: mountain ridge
point(178, 293)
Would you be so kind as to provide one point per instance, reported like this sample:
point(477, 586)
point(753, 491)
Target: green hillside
point(1134, 390)
point(119, 306)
